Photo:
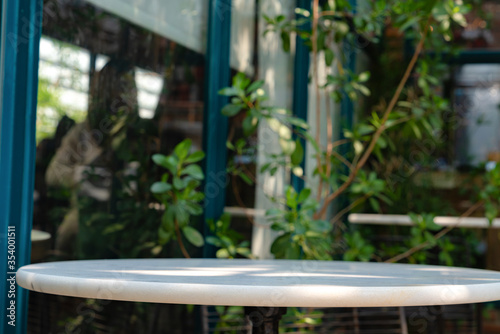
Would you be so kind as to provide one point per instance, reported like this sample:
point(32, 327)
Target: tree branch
point(179, 240)
point(349, 208)
point(379, 131)
point(438, 236)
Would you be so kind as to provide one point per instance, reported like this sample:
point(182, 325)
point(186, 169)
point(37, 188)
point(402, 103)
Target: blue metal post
point(300, 85)
point(20, 38)
point(346, 110)
point(215, 125)
point(347, 106)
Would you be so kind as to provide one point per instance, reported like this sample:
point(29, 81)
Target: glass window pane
point(113, 91)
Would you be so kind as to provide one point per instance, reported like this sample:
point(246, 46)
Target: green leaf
point(419, 112)
point(416, 129)
point(181, 215)
point(291, 197)
point(182, 149)
point(165, 177)
point(321, 40)
point(240, 144)
point(431, 225)
point(274, 124)
point(222, 254)
point(430, 238)
point(160, 187)
point(194, 171)
point(364, 90)
point(164, 236)
point(273, 212)
point(285, 38)
point(179, 183)
point(350, 255)
point(374, 204)
point(364, 129)
point(298, 171)
point(280, 244)
point(156, 250)
point(113, 228)
point(226, 241)
point(381, 142)
point(329, 57)
point(320, 226)
point(213, 241)
point(358, 147)
point(380, 5)
point(193, 236)
point(287, 146)
point(246, 179)
point(249, 125)
point(167, 220)
point(194, 209)
point(352, 94)
point(168, 162)
point(280, 18)
point(195, 157)
point(298, 154)
point(244, 251)
point(422, 83)
point(413, 20)
point(304, 194)
point(231, 110)
point(365, 76)
point(265, 167)
point(299, 122)
point(292, 252)
point(191, 185)
point(240, 81)
point(254, 86)
point(225, 221)
point(311, 140)
point(303, 12)
point(460, 19)
point(279, 227)
point(230, 91)
point(198, 197)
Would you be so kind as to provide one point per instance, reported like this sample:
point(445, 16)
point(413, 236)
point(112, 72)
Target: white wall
point(185, 22)
point(276, 68)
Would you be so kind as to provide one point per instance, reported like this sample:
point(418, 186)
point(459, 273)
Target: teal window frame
point(215, 125)
point(347, 105)
point(20, 37)
point(19, 53)
point(301, 88)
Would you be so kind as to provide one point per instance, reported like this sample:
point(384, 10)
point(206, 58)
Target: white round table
point(262, 284)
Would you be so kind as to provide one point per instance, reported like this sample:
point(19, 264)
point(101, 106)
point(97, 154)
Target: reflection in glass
point(111, 94)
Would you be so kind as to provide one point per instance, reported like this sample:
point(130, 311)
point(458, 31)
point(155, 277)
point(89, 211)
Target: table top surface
point(263, 282)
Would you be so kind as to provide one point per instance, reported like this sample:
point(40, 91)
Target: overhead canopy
point(185, 22)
